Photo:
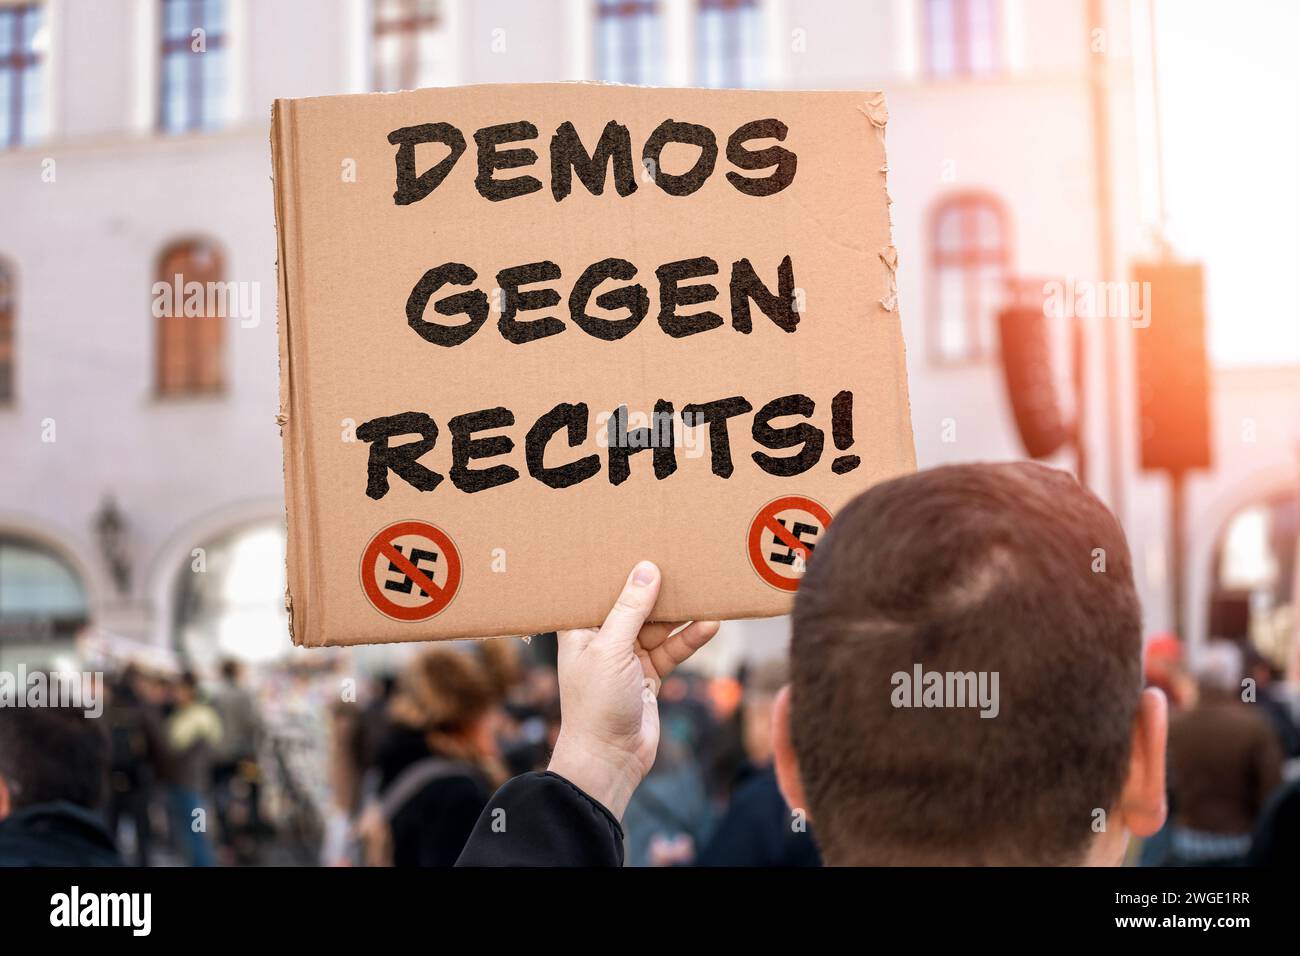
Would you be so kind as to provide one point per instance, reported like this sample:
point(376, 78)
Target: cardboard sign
point(530, 335)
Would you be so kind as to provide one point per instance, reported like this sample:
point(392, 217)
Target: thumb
point(633, 606)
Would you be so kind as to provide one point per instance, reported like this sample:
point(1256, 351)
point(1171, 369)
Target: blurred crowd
point(1233, 757)
point(179, 755)
point(324, 766)
point(413, 768)
point(396, 768)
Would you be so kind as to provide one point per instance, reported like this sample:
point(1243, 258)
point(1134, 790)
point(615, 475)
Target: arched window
point(411, 45)
point(8, 308)
point(235, 608)
point(627, 41)
point(961, 37)
point(42, 603)
point(190, 327)
point(970, 258)
point(1255, 577)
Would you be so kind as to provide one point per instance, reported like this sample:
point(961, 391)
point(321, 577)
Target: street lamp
point(110, 528)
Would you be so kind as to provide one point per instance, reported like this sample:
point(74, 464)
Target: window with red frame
point(961, 37)
point(22, 82)
point(192, 68)
point(628, 41)
point(970, 261)
point(410, 44)
point(728, 46)
point(190, 346)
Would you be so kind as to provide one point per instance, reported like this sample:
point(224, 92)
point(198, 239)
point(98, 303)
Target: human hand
point(609, 682)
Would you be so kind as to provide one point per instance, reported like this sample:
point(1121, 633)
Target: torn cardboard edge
point(287, 249)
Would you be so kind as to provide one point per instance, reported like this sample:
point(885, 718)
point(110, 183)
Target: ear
point(6, 803)
point(783, 755)
point(1142, 801)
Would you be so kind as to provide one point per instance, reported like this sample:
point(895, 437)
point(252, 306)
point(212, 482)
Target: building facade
point(134, 147)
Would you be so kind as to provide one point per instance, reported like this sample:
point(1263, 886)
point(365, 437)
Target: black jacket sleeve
point(540, 819)
point(433, 826)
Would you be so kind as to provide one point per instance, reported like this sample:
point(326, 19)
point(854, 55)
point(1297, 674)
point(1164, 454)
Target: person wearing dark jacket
point(1277, 838)
point(138, 755)
point(432, 820)
point(543, 819)
point(53, 764)
point(758, 829)
point(56, 834)
point(438, 762)
point(1225, 761)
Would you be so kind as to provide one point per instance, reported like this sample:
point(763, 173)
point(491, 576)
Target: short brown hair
point(447, 689)
point(1006, 568)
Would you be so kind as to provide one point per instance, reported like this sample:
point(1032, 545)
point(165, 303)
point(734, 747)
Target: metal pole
point(1178, 549)
point(1158, 135)
point(1177, 479)
point(1106, 264)
point(1080, 402)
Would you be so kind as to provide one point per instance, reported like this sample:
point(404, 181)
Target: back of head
point(1219, 666)
point(445, 690)
point(1010, 574)
point(766, 679)
point(52, 754)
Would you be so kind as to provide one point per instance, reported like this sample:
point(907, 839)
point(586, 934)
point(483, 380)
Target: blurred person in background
point(138, 757)
point(1276, 841)
point(1270, 695)
point(758, 828)
point(236, 773)
point(53, 765)
point(193, 734)
point(1165, 667)
point(439, 762)
point(532, 712)
point(1224, 764)
point(727, 761)
point(525, 734)
point(670, 816)
point(373, 724)
point(346, 774)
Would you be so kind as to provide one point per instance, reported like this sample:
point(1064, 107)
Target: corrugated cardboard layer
point(535, 558)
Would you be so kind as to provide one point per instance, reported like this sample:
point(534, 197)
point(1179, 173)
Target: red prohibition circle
point(766, 520)
point(372, 579)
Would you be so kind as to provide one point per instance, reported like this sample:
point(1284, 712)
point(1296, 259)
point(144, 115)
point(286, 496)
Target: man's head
point(930, 593)
point(50, 754)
